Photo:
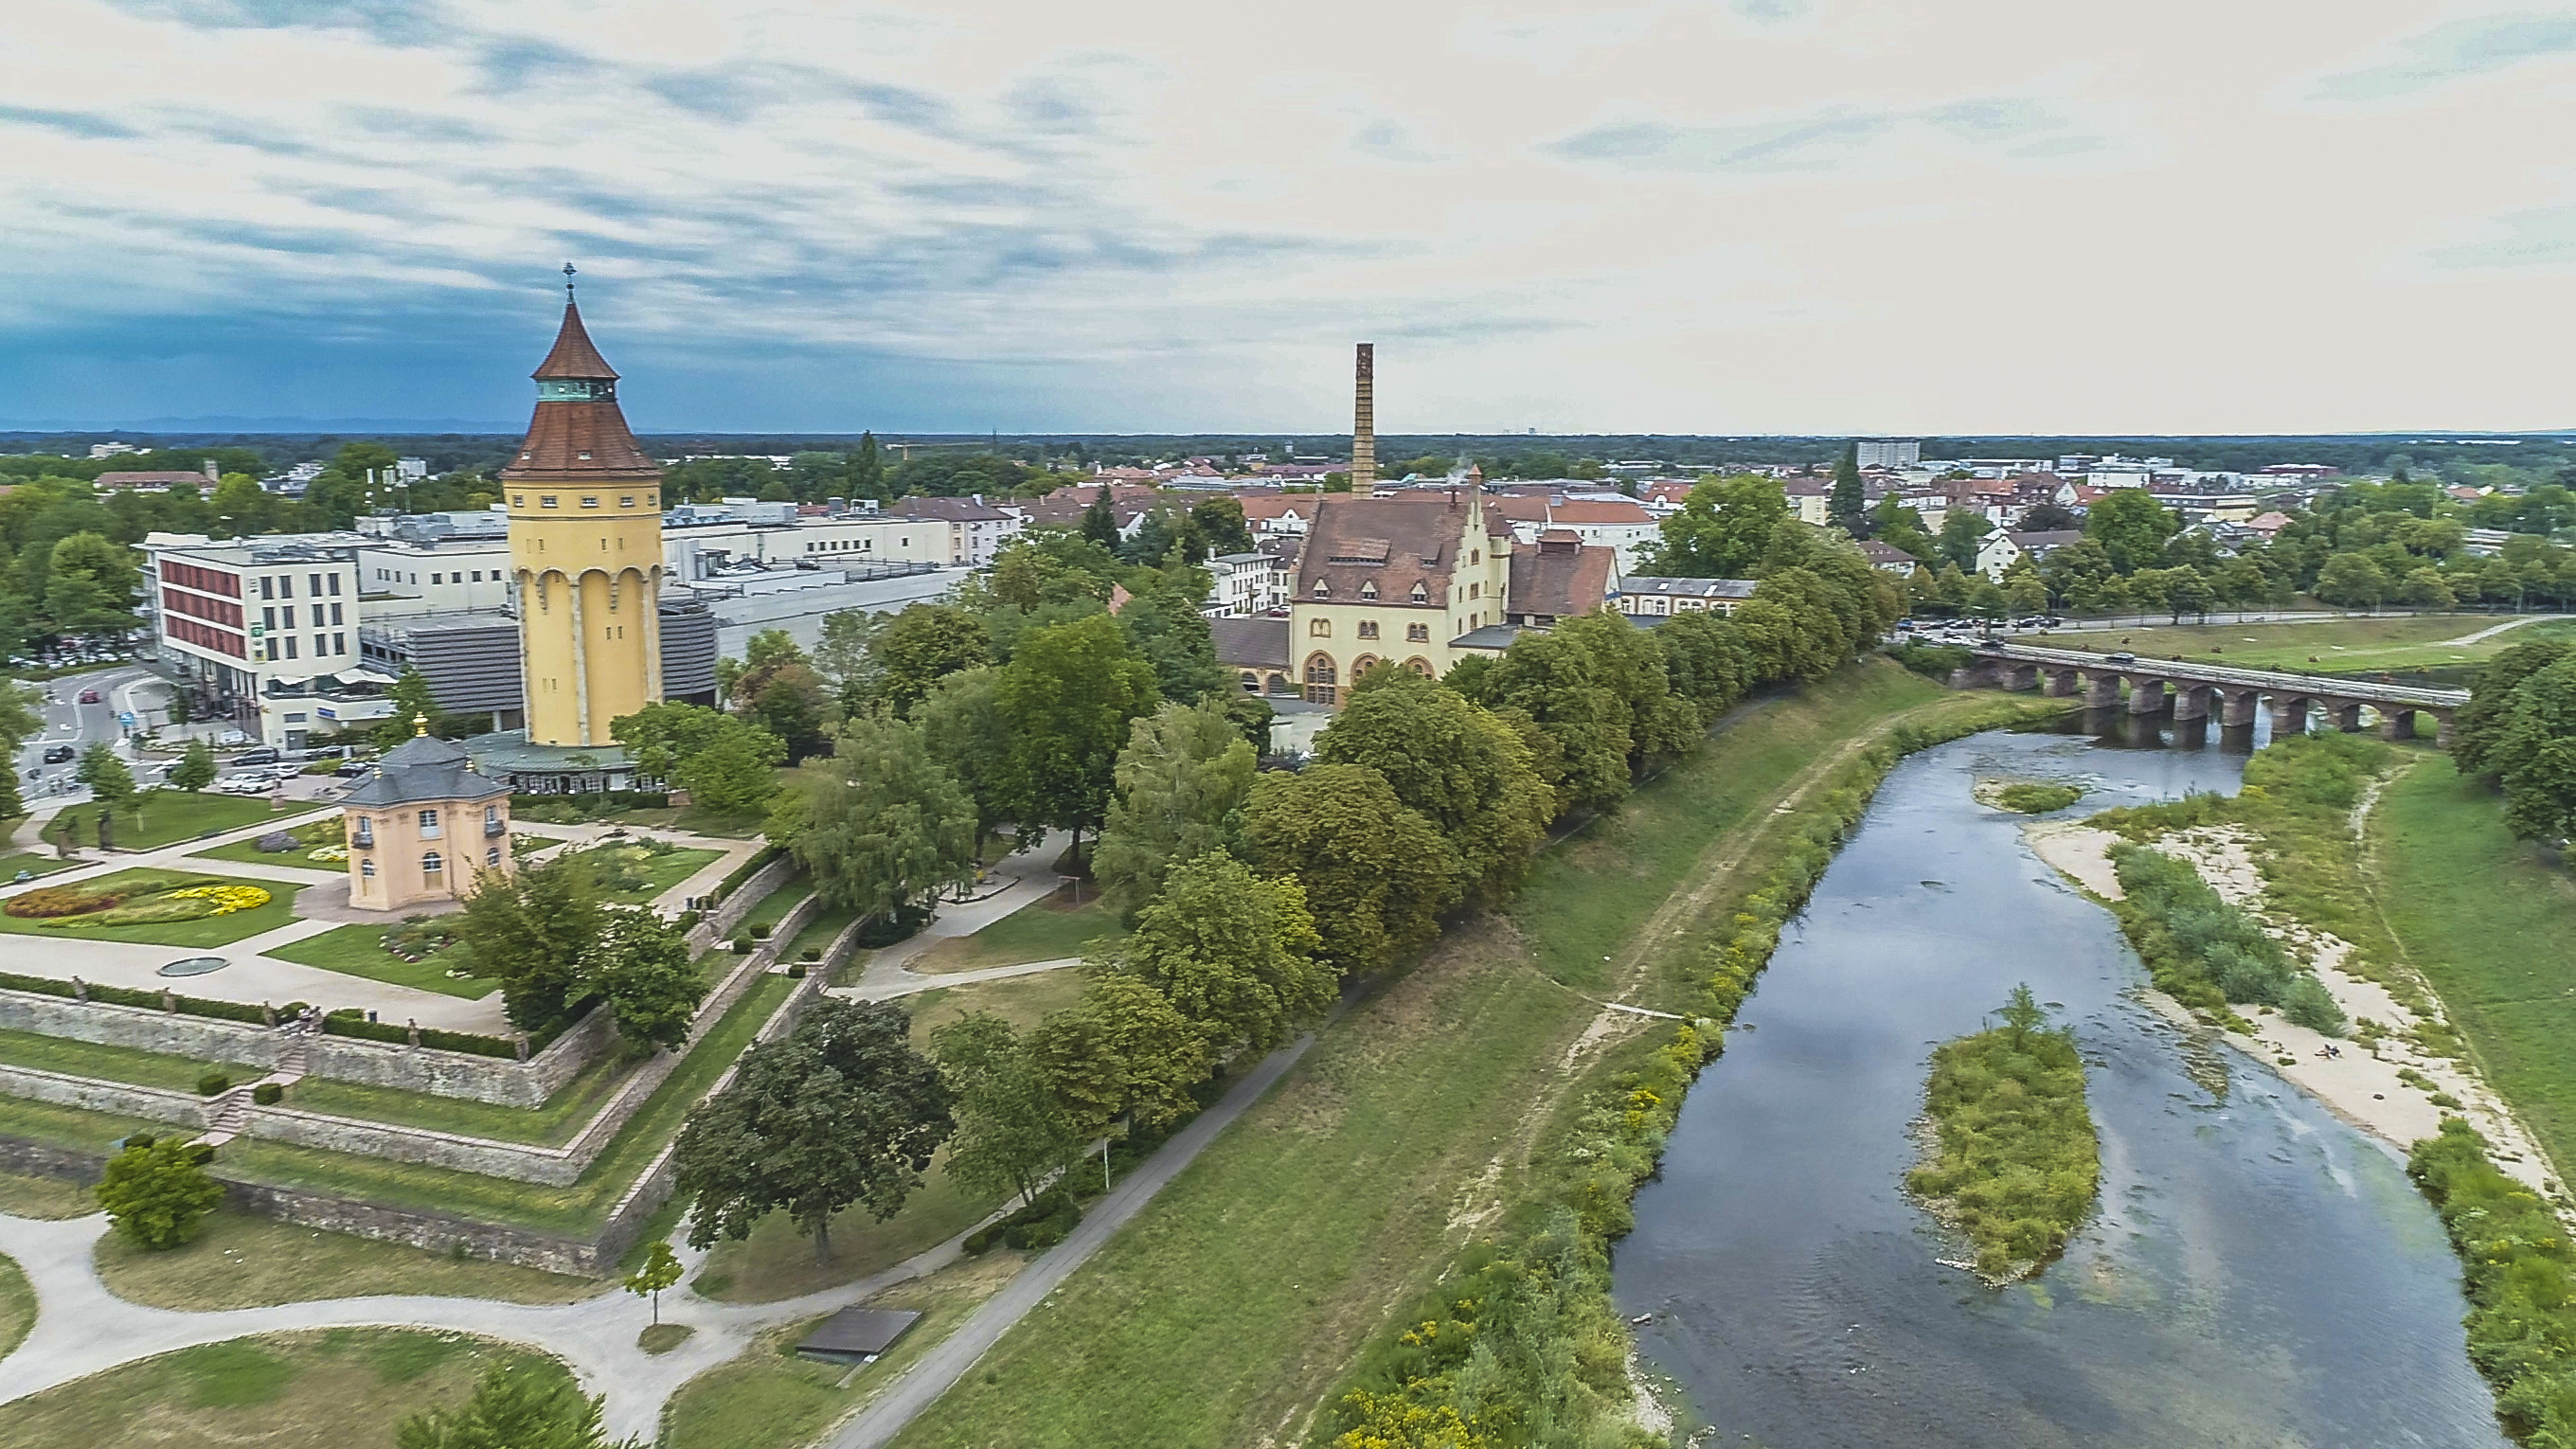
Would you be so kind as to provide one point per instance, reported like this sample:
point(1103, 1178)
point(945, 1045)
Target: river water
point(2258, 1273)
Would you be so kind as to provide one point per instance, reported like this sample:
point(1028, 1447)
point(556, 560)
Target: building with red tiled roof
point(1399, 578)
point(1620, 524)
point(1559, 577)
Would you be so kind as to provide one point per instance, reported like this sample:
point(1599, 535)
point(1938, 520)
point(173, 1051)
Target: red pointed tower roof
point(578, 434)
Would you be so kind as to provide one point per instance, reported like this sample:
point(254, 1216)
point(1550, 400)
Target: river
point(2258, 1273)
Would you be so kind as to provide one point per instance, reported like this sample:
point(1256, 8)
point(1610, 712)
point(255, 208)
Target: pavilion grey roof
point(422, 769)
point(857, 1335)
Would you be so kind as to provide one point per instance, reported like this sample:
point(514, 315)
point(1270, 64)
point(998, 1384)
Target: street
point(69, 722)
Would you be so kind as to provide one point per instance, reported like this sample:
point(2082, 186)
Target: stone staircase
point(229, 1111)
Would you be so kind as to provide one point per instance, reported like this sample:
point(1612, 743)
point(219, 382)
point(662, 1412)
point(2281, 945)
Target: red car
point(89, 696)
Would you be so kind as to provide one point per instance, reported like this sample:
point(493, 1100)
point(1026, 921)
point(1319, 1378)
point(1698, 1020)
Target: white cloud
point(1670, 216)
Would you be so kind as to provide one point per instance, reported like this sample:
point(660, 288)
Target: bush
point(2308, 1003)
point(2031, 798)
point(268, 1094)
point(2520, 1272)
point(886, 930)
point(810, 953)
point(796, 971)
point(742, 944)
point(156, 1191)
point(2204, 952)
point(1932, 660)
point(214, 1084)
point(46, 902)
point(1045, 1222)
point(760, 932)
point(749, 868)
point(2016, 1165)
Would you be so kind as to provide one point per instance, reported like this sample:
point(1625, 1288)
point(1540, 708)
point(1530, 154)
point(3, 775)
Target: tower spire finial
point(567, 281)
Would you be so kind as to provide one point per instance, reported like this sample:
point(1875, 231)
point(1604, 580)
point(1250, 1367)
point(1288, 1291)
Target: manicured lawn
point(358, 950)
point(767, 1398)
point(32, 863)
point(333, 1389)
point(17, 1307)
point(203, 931)
point(1234, 1304)
point(113, 1063)
point(1046, 930)
point(170, 816)
point(2341, 646)
point(1020, 1000)
point(2494, 930)
point(69, 1126)
point(566, 1113)
point(774, 906)
point(661, 872)
point(778, 1262)
point(44, 1197)
point(326, 831)
point(239, 1261)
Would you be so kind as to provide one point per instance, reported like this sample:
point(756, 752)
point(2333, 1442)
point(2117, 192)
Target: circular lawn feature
point(193, 966)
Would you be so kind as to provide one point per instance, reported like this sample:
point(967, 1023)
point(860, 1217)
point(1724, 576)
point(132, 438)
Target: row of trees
point(2518, 734)
point(557, 946)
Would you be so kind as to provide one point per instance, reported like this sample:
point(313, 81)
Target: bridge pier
point(2397, 724)
point(2191, 702)
point(2195, 692)
point(2021, 676)
point(2236, 706)
point(2146, 696)
point(2061, 683)
point(2442, 727)
point(2289, 717)
point(2102, 691)
point(2345, 714)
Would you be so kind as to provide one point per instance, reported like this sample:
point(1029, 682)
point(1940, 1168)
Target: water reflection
point(2258, 1273)
point(2113, 727)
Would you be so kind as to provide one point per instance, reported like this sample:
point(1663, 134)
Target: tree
point(1456, 765)
point(1012, 1133)
point(514, 1408)
point(1376, 874)
point(412, 704)
point(643, 965)
point(2131, 527)
point(1962, 532)
point(1163, 621)
point(922, 644)
point(847, 656)
point(196, 768)
point(1099, 524)
point(1234, 952)
point(19, 723)
point(2350, 580)
point(1721, 530)
point(867, 469)
point(157, 1192)
point(92, 586)
point(661, 1269)
point(1181, 783)
point(1122, 1051)
point(963, 731)
point(1220, 522)
point(2540, 794)
point(2022, 1014)
point(1849, 506)
point(108, 778)
point(776, 688)
point(841, 1111)
point(1066, 699)
point(532, 930)
point(879, 824)
point(2478, 730)
point(2050, 518)
point(724, 763)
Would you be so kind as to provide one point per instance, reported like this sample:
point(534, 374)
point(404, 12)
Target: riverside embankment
point(2258, 1273)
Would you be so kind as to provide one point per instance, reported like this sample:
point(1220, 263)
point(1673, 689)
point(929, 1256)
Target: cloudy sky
point(1721, 216)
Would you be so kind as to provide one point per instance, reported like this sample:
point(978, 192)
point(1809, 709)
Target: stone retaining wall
point(729, 912)
point(475, 1078)
point(159, 1104)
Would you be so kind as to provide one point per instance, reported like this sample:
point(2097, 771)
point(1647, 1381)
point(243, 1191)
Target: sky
point(1719, 216)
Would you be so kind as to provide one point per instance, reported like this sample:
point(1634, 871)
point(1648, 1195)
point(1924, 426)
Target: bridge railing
point(2274, 681)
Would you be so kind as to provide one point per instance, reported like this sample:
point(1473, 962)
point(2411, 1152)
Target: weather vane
point(567, 281)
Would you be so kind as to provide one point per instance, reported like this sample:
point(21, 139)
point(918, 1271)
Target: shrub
point(155, 1192)
point(268, 1094)
point(742, 944)
point(1043, 1223)
point(1932, 660)
point(69, 900)
point(2307, 1002)
point(796, 971)
point(213, 1084)
point(2520, 1272)
point(2204, 952)
point(747, 870)
point(2016, 1165)
point(2031, 798)
point(810, 953)
point(760, 932)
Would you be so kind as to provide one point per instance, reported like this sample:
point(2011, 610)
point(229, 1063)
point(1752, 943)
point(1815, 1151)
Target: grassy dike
point(1433, 1124)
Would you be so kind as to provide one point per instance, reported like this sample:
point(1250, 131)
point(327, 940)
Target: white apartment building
point(253, 623)
point(976, 530)
point(1888, 452)
point(1248, 584)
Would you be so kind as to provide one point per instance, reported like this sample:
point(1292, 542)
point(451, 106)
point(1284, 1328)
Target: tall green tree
point(1235, 953)
point(1962, 533)
point(879, 825)
point(196, 768)
point(642, 964)
point(726, 764)
point(109, 779)
point(840, 1112)
point(867, 469)
point(1452, 763)
point(1099, 523)
point(922, 644)
point(778, 689)
point(514, 1408)
point(847, 657)
point(1012, 1132)
point(1181, 783)
point(157, 1193)
point(962, 728)
point(1066, 699)
point(1721, 530)
point(1376, 874)
point(1163, 621)
point(2131, 527)
point(92, 586)
point(412, 704)
point(532, 929)
point(19, 723)
point(1220, 522)
point(1122, 1051)
point(1849, 506)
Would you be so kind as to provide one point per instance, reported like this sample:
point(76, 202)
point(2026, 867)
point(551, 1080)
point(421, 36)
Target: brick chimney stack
point(1364, 421)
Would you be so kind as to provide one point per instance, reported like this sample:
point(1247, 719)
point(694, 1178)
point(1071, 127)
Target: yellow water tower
point(585, 508)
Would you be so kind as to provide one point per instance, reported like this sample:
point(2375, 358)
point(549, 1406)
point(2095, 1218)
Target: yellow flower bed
point(227, 898)
point(328, 852)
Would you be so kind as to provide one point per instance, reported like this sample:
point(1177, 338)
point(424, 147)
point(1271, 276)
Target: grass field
point(1019, 1000)
point(564, 1114)
point(358, 950)
point(113, 1063)
point(17, 1307)
point(661, 872)
point(1046, 930)
point(1234, 1304)
point(44, 1197)
point(2341, 646)
point(2488, 924)
point(203, 931)
point(32, 862)
point(774, 906)
point(239, 1261)
point(342, 1388)
point(326, 831)
point(767, 1398)
point(170, 816)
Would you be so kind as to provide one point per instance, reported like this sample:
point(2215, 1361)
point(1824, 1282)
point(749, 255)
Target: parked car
point(353, 769)
point(264, 755)
point(2121, 656)
point(60, 754)
point(89, 696)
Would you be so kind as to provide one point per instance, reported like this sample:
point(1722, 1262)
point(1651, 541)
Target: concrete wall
point(349, 1059)
point(89, 1093)
point(729, 912)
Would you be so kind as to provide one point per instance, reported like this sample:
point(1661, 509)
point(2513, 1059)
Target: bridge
point(2193, 691)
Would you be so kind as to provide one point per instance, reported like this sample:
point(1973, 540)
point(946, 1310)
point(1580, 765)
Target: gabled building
point(1655, 597)
point(1402, 578)
point(421, 824)
point(1559, 577)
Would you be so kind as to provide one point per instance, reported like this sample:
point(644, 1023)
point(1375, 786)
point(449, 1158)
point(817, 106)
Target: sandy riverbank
point(2361, 1085)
